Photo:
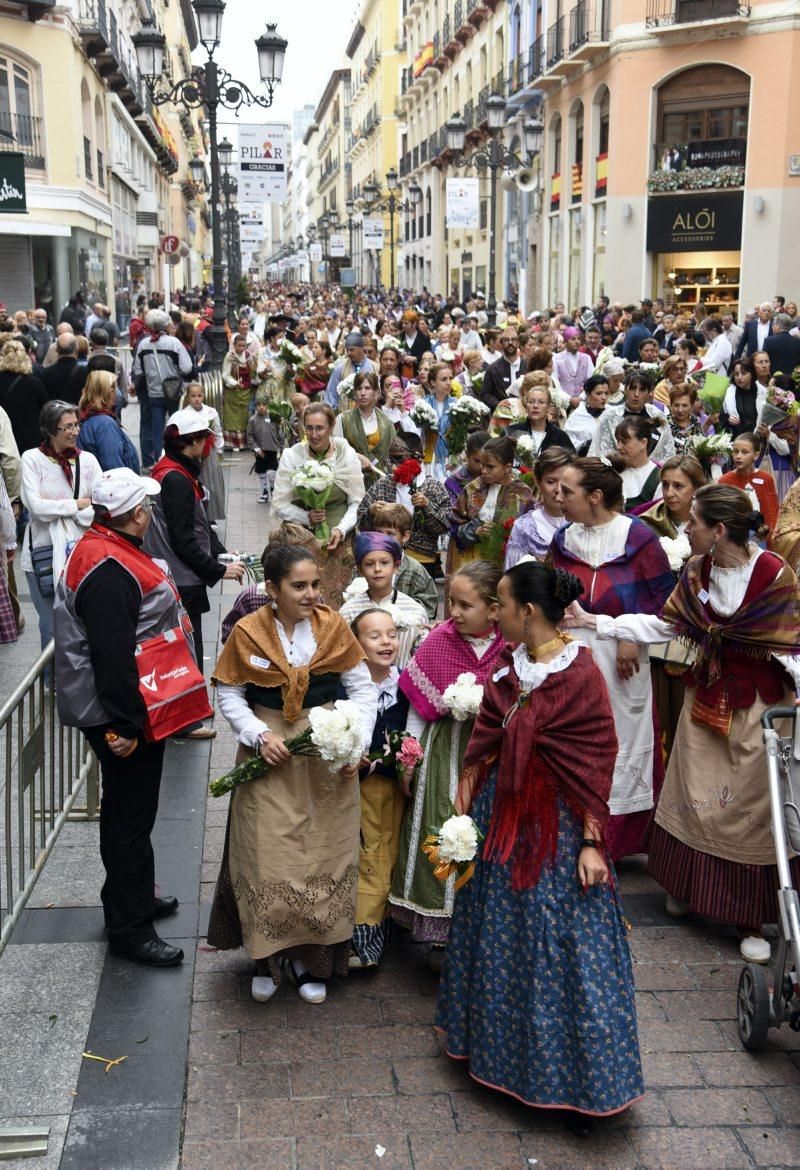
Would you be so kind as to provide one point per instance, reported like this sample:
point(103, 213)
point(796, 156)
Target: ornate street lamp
point(375, 201)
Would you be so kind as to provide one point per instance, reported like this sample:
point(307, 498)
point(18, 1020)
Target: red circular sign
point(170, 244)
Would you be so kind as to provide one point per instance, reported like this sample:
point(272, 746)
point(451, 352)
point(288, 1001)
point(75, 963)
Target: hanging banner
point(264, 153)
point(462, 199)
point(337, 248)
point(315, 252)
point(251, 233)
point(373, 234)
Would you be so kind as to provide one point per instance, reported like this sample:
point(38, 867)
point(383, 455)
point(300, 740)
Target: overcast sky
point(317, 32)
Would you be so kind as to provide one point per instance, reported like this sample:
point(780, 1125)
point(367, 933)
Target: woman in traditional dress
point(426, 501)
point(377, 559)
point(757, 483)
point(683, 422)
point(739, 413)
point(711, 844)
point(779, 442)
point(440, 397)
point(367, 429)
point(210, 468)
point(641, 477)
point(533, 533)
point(582, 422)
point(336, 559)
point(382, 800)
point(538, 990)
point(540, 431)
point(478, 524)
point(287, 885)
point(469, 642)
point(237, 381)
point(681, 477)
point(624, 570)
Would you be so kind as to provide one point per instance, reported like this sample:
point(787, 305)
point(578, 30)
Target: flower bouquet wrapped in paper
point(468, 413)
point(525, 452)
point(778, 406)
point(280, 413)
point(358, 587)
point(712, 393)
point(334, 735)
point(312, 483)
point(423, 415)
point(453, 848)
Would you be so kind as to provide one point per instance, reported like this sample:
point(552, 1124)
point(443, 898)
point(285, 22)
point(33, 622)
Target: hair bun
point(756, 521)
point(566, 587)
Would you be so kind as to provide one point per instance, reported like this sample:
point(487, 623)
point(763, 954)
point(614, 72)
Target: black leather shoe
point(165, 906)
point(579, 1124)
point(153, 952)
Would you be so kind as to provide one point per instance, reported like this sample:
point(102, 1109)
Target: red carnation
point(508, 524)
point(407, 471)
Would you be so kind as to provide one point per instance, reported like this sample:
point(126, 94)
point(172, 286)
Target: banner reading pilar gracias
point(264, 153)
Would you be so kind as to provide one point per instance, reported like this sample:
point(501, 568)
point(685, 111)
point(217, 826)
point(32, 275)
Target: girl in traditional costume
point(440, 397)
point(367, 429)
point(710, 845)
point(382, 800)
point(485, 506)
point(624, 570)
point(468, 643)
point(537, 994)
point(238, 371)
point(378, 559)
point(532, 534)
point(287, 886)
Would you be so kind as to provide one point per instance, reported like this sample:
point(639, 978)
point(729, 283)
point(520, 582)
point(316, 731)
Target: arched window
point(100, 141)
point(702, 104)
point(601, 114)
point(17, 121)
point(86, 110)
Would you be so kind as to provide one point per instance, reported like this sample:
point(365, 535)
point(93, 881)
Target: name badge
point(262, 663)
point(756, 480)
point(500, 674)
point(703, 596)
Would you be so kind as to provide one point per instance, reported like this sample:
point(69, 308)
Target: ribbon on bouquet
point(442, 870)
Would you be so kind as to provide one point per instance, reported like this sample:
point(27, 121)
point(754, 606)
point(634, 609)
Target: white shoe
point(755, 949)
point(263, 988)
point(675, 908)
point(307, 987)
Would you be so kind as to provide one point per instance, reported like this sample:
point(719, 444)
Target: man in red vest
point(111, 596)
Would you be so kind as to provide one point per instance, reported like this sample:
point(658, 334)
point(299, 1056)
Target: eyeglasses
point(69, 427)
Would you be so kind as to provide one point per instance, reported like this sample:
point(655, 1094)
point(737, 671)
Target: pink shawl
point(441, 658)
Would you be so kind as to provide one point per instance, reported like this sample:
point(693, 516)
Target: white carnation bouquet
point(453, 849)
point(357, 588)
point(312, 482)
point(334, 735)
point(463, 697)
point(400, 619)
point(290, 355)
point(678, 551)
point(525, 449)
point(713, 451)
point(423, 415)
point(466, 413)
point(346, 387)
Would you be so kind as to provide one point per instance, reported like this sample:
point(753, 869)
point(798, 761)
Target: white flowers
point(358, 587)
point(678, 551)
point(346, 386)
point(313, 476)
point(423, 415)
point(338, 735)
point(470, 408)
point(710, 446)
point(458, 839)
point(400, 619)
point(289, 354)
point(526, 451)
point(463, 697)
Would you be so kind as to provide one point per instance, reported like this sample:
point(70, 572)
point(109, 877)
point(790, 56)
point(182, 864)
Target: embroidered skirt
point(537, 991)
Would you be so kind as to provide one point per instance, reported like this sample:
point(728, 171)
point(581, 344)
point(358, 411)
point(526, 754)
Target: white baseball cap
point(120, 490)
point(188, 421)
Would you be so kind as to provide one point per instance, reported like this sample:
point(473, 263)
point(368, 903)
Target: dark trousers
point(146, 428)
point(127, 815)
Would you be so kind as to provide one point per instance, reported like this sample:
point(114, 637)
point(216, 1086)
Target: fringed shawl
point(254, 654)
point(441, 658)
point(558, 744)
point(785, 536)
point(767, 622)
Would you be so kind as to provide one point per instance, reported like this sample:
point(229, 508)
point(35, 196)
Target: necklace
point(546, 647)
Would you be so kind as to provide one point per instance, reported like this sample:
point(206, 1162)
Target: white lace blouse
point(600, 543)
point(532, 674)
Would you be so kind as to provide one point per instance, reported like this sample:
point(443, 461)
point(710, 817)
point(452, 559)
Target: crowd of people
point(597, 506)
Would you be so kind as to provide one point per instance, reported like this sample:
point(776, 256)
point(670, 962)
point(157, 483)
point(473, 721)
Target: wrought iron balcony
point(555, 42)
point(665, 14)
point(585, 39)
point(22, 132)
point(536, 59)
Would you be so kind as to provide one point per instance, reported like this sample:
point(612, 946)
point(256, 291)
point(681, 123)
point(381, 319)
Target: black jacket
point(65, 379)
point(422, 344)
point(553, 435)
point(784, 353)
point(177, 500)
point(748, 342)
point(22, 397)
point(497, 380)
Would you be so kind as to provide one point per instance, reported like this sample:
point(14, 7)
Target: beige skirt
point(715, 796)
point(294, 851)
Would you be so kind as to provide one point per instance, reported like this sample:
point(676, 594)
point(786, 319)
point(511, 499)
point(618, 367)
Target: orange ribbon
point(442, 870)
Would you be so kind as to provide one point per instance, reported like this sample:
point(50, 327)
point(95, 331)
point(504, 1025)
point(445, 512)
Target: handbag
point(171, 685)
point(42, 555)
point(171, 384)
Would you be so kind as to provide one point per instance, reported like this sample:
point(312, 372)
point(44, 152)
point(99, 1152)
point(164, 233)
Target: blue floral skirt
point(537, 993)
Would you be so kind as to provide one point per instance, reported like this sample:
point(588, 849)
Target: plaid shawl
point(428, 523)
point(765, 623)
point(785, 536)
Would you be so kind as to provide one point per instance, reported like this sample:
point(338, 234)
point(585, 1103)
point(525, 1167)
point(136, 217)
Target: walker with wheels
point(768, 997)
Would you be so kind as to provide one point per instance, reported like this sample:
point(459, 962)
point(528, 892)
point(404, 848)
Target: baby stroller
point(767, 998)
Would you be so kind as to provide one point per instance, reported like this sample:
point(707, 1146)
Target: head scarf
point(367, 542)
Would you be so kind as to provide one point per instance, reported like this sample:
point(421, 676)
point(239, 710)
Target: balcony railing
point(665, 13)
point(555, 42)
point(458, 15)
point(22, 132)
point(582, 29)
point(446, 33)
point(516, 74)
point(536, 59)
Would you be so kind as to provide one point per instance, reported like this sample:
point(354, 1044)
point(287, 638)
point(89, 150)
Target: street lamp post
point(376, 202)
point(210, 87)
point(229, 189)
point(495, 156)
point(312, 239)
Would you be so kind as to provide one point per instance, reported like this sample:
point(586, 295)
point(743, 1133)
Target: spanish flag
point(555, 192)
point(577, 182)
point(601, 180)
point(423, 59)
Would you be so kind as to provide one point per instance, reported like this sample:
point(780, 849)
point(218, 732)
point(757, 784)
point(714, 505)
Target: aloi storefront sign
point(695, 223)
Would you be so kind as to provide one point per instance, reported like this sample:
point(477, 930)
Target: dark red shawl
point(560, 744)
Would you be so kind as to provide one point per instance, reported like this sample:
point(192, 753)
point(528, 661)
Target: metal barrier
point(211, 381)
point(46, 768)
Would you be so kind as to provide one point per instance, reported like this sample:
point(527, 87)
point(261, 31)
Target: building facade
point(669, 169)
point(328, 166)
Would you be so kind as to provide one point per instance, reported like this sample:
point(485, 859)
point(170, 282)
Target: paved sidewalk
point(303, 1087)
